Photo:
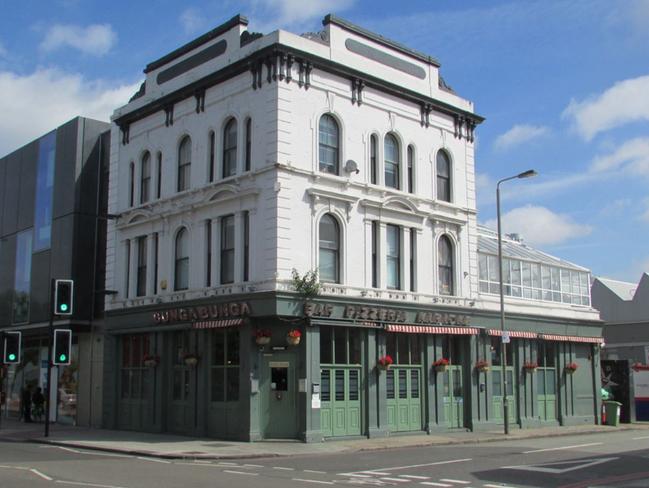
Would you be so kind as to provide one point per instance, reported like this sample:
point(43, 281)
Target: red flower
point(441, 362)
point(294, 333)
point(385, 360)
point(262, 333)
point(572, 366)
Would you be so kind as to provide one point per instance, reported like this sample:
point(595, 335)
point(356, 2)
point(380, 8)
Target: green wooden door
point(279, 389)
point(497, 394)
point(547, 393)
point(403, 391)
point(453, 388)
point(340, 409)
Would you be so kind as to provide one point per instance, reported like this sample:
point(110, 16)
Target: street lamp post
point(503, 355)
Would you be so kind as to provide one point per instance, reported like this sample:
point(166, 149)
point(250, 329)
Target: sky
point(563, 85)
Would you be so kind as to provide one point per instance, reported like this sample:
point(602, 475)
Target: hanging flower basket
point(441, 365)
point(482, 366)
point(150, 361)
point(530, 366)
point(190, 359)
point(571, 368)
point(293, 337)
point(384, 362)
point(262, 336)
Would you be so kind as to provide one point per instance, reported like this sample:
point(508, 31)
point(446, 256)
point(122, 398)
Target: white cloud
point(284, 13)
point(625, 102)
point(192, 21)
point(520, 134)
point(29, 108)
point(633, 156)
point(95, 39)
point(540, 226)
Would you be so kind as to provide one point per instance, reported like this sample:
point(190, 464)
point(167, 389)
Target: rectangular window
point(411, 157)
point(159, 182)
point(131, 185)
point(211, 161)
point(133, 372)
point(413, 260)
point(373, 168)
point(375, 263)
point(224, 365)
point(227, 249)
point(128, 268)
point(246, 245)
point(208, 252)
point(248, 155)
point(22, 277)
point(155, 263)
point(145, 178)
point(391, 174)
point(141, 266)
point(393, 254)
point(44, 188)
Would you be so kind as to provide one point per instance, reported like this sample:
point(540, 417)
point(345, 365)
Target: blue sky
point(563, 84)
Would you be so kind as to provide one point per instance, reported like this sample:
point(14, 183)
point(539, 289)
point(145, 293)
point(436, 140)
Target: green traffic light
point(12, 357)
point(62, 357)
point(64, 307)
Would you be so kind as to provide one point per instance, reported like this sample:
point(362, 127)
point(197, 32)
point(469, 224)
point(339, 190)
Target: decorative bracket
point(357, 91)
point(126, 129)
point(200, 101)
point(169, 115)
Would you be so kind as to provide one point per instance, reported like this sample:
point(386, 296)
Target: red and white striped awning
point(554, 337)
point(217, 324)
point(420, 329)
point(513, 333)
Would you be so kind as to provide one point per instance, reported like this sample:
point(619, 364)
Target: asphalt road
point(615, 459)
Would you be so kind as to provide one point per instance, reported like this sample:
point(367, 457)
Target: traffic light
point(63, 297)
point(62, 346)
point(11, 349)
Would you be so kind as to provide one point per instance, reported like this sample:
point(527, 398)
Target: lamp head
point(527, 174)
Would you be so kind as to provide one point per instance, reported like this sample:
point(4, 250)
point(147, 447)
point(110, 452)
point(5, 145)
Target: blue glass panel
point(22, 278)
point(44, 187)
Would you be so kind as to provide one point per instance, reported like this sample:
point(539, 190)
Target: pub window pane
point(340, 384)
point(414, 383)
point(389, 384)
point(218, 386)
point(496, 381)
point(391, 346)
point(325, 345)
point(415, 349)
point(340, 345)
point(233, 384)
point(403, 383)
point(354, 346)
point(218, 348)
point(233, 348)
point(325, 385)
point(354, 386)
point(403, 350)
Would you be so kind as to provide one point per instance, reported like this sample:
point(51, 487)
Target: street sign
point(506, 339)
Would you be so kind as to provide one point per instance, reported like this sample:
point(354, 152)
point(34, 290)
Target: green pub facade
point(245, 163)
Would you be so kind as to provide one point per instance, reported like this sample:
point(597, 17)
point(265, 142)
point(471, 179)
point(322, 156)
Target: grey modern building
point(51, 193)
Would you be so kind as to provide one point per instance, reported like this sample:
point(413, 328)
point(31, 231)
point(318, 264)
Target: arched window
point(131, 184)
point(184, 163)
point(145, 178)
point(445, 266)
point(211, 140)
point(411, 164)
point(391, 161)
point(329, 143)
point(159, 177)
point(443, 177)
point(181, 269)
point(329, 245)
point(230, 148)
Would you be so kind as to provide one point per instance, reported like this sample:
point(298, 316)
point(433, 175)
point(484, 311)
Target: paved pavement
point(180, 447)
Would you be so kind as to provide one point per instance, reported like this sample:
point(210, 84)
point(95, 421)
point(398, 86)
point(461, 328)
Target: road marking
point(429, 464)
point(564, 447)
point(78, 483)
point(639, 438)
point(314, 471)
point(399, 480)
point(379, 473)
point(38, 473)
point(14, 467)
point(314, 481)
point(254, 465)
point(69, 449)
point(498, 486)
point(548, 467)
point(283, 469)
point(432, 483)
point(358, 475)
point(240, 472)
point(459, 482)
point(153, 460)
point(223, 463)
point(415, 477)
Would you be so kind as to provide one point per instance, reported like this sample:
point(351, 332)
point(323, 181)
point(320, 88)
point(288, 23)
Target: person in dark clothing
point(38, 399)
point(27, 404)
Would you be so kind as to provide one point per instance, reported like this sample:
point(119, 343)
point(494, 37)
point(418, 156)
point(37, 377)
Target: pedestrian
point(38, 400)
point(27, 404)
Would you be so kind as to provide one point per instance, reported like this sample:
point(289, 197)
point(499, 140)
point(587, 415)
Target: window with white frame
point(227, 249)
point(140, 289)
point(392, 161)
point(145, 177)
point(328, 145)
point(248, 155)
point(329, 244)
point(230, 148)
point(411, 165)
point(181, 268)
point(374, 170)
point(184, 163)
point(535, 281)
point(393, 254)
point(443, 176)
point(445, 266)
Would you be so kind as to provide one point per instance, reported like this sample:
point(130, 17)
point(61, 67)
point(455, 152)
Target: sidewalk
point(179, 447)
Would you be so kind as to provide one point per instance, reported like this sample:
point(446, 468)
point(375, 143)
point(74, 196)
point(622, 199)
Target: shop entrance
point(340, 381)
point(497, 380)
point(182, 407)
point(546, 376)
point(453, 381)
point(403, 382)
point(279, 401)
